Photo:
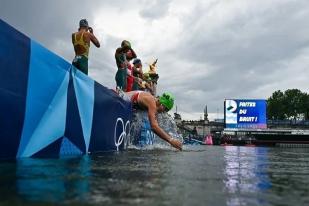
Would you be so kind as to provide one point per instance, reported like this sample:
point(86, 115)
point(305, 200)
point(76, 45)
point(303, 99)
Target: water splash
point(141, 135)
point(167, 123)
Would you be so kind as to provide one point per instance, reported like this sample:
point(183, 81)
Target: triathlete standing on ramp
point(144, 100)
point(123, 56)
point(81, 42)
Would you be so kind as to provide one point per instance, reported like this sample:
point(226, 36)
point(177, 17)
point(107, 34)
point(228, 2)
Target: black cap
point(137, 61)
point(83, 23)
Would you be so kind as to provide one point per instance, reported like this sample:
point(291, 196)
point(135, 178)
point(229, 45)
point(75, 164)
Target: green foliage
point(292, 104)
point(275, 106)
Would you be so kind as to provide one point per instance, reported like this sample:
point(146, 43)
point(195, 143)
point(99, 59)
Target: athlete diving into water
point(145, 101)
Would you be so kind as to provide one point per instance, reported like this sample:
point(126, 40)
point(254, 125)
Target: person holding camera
point(81, 42)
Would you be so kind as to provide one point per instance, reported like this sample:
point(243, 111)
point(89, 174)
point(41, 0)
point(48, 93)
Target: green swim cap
point(167, 100)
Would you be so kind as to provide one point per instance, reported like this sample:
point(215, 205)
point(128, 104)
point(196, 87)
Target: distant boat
point(193, 141)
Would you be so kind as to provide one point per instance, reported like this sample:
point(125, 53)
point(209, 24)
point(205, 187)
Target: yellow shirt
point(82, 43)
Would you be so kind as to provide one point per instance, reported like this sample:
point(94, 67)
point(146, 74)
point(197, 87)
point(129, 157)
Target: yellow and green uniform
point(81, 61)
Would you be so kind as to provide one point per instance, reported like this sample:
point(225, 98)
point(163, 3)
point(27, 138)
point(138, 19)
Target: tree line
point(291, 104)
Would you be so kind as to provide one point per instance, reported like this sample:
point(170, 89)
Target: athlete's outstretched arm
point(152, 109)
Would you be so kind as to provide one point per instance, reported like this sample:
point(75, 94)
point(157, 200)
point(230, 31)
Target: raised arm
point(93, 39)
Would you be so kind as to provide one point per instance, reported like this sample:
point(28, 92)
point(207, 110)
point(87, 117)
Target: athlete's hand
point(176, 143)
point(90, 30)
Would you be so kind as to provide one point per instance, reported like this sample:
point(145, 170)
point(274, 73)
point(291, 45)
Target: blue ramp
point(47, 105)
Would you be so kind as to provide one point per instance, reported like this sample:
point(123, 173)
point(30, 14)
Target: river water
point(199, 175)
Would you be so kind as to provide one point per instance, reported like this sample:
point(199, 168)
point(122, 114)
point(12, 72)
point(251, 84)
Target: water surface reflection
point(200, 175)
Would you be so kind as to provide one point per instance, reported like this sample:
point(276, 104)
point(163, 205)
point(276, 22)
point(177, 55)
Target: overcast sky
point(208, 50)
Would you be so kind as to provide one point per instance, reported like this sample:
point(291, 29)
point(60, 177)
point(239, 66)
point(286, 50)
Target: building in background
point(198, 128)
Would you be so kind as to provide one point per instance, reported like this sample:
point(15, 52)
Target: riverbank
point(264, 137)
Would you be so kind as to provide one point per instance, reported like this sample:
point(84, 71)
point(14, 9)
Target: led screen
point(245, 113)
